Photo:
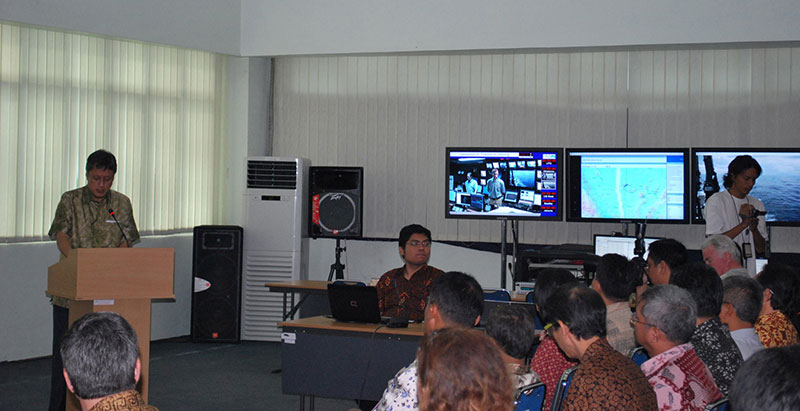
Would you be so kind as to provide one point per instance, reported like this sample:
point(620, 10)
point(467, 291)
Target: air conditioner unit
point(275, 247)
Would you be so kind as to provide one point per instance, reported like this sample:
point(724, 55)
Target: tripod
point(337, 267)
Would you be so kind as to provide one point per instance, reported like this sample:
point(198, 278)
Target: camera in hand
point(756, 213)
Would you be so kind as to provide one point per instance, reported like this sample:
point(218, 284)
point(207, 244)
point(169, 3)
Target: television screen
point(607, 244)
point(627, 185)
point(527, 186)
point(777, 187)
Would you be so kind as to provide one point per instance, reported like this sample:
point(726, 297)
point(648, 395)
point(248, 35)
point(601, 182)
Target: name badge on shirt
point(110, 221)
point(747, 250)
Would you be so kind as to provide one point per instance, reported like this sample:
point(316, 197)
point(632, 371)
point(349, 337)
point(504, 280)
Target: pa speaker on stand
point(335, 198)
point(217, 272)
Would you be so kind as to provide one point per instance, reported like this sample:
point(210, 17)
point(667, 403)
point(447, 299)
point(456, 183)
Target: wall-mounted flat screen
point(649, 185)
point(511, 183)
point(777, 187)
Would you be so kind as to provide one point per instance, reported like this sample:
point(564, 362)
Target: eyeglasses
point(634, 320)
point(415, 243)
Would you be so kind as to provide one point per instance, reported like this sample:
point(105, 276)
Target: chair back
point(530, 397)
point(561, 388)
point(638, 355)
point(497, 295)
point(720, 405)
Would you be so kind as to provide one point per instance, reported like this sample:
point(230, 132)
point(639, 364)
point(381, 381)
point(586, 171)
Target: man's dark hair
point(737, 166)
point(101, 160)
point(410, 230)
point(617, 276)
point(745, 295)
point(768, 381)
point(580, 308)
point(703, 283)
point(784, 282)
point(458, 297)
point(513, 328)
point(99, 353)
point(668, 250)
point(547, 280)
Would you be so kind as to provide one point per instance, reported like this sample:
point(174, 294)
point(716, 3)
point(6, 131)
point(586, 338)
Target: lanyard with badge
point(747, 247)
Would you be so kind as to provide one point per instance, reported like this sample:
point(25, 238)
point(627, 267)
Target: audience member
point(606, 379)
point(768, 381)
point(778, 321)
point(101, 363)
point(711, 340)
point(549, 362)
point(663, 257)
point(616, 279)
point(512, 328)
point(462, 369)
point(741, 303)
point(663, 323)
point(403, 292)
point(722, 253)
point(456, 300)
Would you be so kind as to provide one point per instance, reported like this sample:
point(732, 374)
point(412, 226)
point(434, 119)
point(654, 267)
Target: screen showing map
point(627, 185)
point(776, 187)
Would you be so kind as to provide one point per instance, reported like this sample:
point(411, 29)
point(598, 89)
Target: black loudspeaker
point(335, 198)
point(217, 272)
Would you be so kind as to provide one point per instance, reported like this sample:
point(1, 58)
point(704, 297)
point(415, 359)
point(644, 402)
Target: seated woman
point(461, 369)
point(776, 325)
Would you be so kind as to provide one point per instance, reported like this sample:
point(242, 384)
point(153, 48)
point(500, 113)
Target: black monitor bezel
point(482, 216)
point(572, 204)
point(700, 220)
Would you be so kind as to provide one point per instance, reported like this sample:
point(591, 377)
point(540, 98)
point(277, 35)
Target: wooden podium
point(122, 280)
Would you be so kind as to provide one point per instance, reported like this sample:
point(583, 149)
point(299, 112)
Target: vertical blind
point(159, 109)
point(395, 115)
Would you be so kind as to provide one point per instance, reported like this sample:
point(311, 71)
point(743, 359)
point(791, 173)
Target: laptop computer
point(354, 303)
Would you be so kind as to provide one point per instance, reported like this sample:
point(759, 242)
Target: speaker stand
point(337, 267)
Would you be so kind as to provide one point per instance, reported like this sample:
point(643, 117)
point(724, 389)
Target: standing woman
point(737, 214)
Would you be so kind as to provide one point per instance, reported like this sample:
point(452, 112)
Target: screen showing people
point(776, 185)
point(497, 183)
point(627, 185)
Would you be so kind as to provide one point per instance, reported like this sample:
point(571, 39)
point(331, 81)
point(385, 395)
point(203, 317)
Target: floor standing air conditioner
point(275, 243)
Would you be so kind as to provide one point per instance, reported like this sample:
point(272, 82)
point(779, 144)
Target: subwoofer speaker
point(217, 271)
point(335, 199)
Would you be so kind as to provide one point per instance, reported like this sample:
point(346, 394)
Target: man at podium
point(93, 216)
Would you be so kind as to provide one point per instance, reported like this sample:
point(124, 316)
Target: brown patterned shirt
point(398, 297)
point(775, 330)
point(123, 401)
point(88, 223)
point(608, 380)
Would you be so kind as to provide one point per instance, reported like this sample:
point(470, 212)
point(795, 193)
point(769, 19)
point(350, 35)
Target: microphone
point(111, 213)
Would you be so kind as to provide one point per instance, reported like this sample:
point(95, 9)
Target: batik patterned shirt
point(401, 393)
point(714, 345)
point(775, 330)
point(88, 223)
point(550, 362)
point(398, 297)
point(608, 380)
point(619, 332)
point(123, 401)
point(681, 380)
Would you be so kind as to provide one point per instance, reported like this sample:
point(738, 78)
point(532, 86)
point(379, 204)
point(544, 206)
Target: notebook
point(354, 303)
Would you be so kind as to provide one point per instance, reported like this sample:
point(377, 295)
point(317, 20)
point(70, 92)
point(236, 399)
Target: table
point(326, 358)
point(289, 288)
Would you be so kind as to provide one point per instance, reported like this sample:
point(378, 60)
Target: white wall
point(210, 25)
point(274, 27)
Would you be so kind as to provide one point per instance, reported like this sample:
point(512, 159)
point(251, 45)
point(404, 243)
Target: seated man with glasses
point(663, 323)
point(403, 292)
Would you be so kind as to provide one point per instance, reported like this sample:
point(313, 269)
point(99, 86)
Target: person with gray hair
point(663, 323)
point(741, 304)
point(722, 253)
point(101, 362)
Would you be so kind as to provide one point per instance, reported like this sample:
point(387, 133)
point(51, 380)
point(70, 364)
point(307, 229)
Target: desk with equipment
point(322, 357)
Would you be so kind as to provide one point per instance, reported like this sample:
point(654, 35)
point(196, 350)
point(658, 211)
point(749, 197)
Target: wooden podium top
point(325, 323)
point(113, 273)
